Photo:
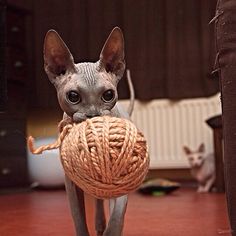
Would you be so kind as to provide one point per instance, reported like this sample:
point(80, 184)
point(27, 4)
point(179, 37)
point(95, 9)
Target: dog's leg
point(116, 221)
point(100, 220)
point(76, 199)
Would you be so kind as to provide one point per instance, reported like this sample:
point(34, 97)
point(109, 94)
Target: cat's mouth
point(91, 115)
point(79, 117)
point(197, 165)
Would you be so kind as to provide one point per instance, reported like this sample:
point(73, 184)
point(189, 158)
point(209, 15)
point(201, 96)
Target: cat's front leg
point(200, 189)
point(209, 184)
point(116, 221)
point(76, 200)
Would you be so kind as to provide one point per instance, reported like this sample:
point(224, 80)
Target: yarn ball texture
point(105, 156)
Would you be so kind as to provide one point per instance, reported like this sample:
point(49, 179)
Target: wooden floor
point(41, 213)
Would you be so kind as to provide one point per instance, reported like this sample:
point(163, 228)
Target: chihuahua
point(202, 167)
point(86, 90)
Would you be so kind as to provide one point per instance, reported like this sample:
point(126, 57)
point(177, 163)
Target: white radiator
point(168, 125)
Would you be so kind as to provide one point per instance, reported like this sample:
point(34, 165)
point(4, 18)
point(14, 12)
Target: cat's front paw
point(202, 189)
point(199, 190)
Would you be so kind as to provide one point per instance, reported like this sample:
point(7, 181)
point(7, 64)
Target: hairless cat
point(86, 90)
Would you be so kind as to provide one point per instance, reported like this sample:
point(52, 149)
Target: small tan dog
point(202, 167)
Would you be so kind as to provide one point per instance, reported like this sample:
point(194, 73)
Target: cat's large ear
point(187, 150)
point(112, 54)
point(201, 147)
point(57, 57)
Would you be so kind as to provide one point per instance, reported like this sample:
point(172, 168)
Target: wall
point(43, 122)
point(168, 44)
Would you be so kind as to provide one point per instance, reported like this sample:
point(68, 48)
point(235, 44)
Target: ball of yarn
point(105, 156)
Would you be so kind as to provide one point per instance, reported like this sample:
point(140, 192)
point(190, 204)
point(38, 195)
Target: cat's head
point(195, 158)
point(85, 90)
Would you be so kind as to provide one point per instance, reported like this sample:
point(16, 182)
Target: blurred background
point(170, 51)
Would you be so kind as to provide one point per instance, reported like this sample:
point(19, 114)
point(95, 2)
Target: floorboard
point(184, 212)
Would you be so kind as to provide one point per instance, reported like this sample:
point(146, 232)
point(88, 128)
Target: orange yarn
point(105, 156)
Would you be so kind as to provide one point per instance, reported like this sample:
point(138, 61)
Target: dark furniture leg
point(219, 162)
point(216, 124)
point(226, 51)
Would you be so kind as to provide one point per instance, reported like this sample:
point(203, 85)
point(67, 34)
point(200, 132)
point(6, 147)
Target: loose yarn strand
point(51, 146)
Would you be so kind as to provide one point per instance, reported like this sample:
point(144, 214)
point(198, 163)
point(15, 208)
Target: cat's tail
point(131, 91)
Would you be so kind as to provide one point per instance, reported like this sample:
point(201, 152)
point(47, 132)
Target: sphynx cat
point(86, 90)
point(202, 167)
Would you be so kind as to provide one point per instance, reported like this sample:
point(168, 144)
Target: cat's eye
point(200, 158)
point(108, 95)
point(73, 97)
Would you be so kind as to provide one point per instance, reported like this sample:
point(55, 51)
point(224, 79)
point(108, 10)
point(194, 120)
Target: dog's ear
point(112, 54)
point(187, 150)
point(201, 148)
point(57, 57)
